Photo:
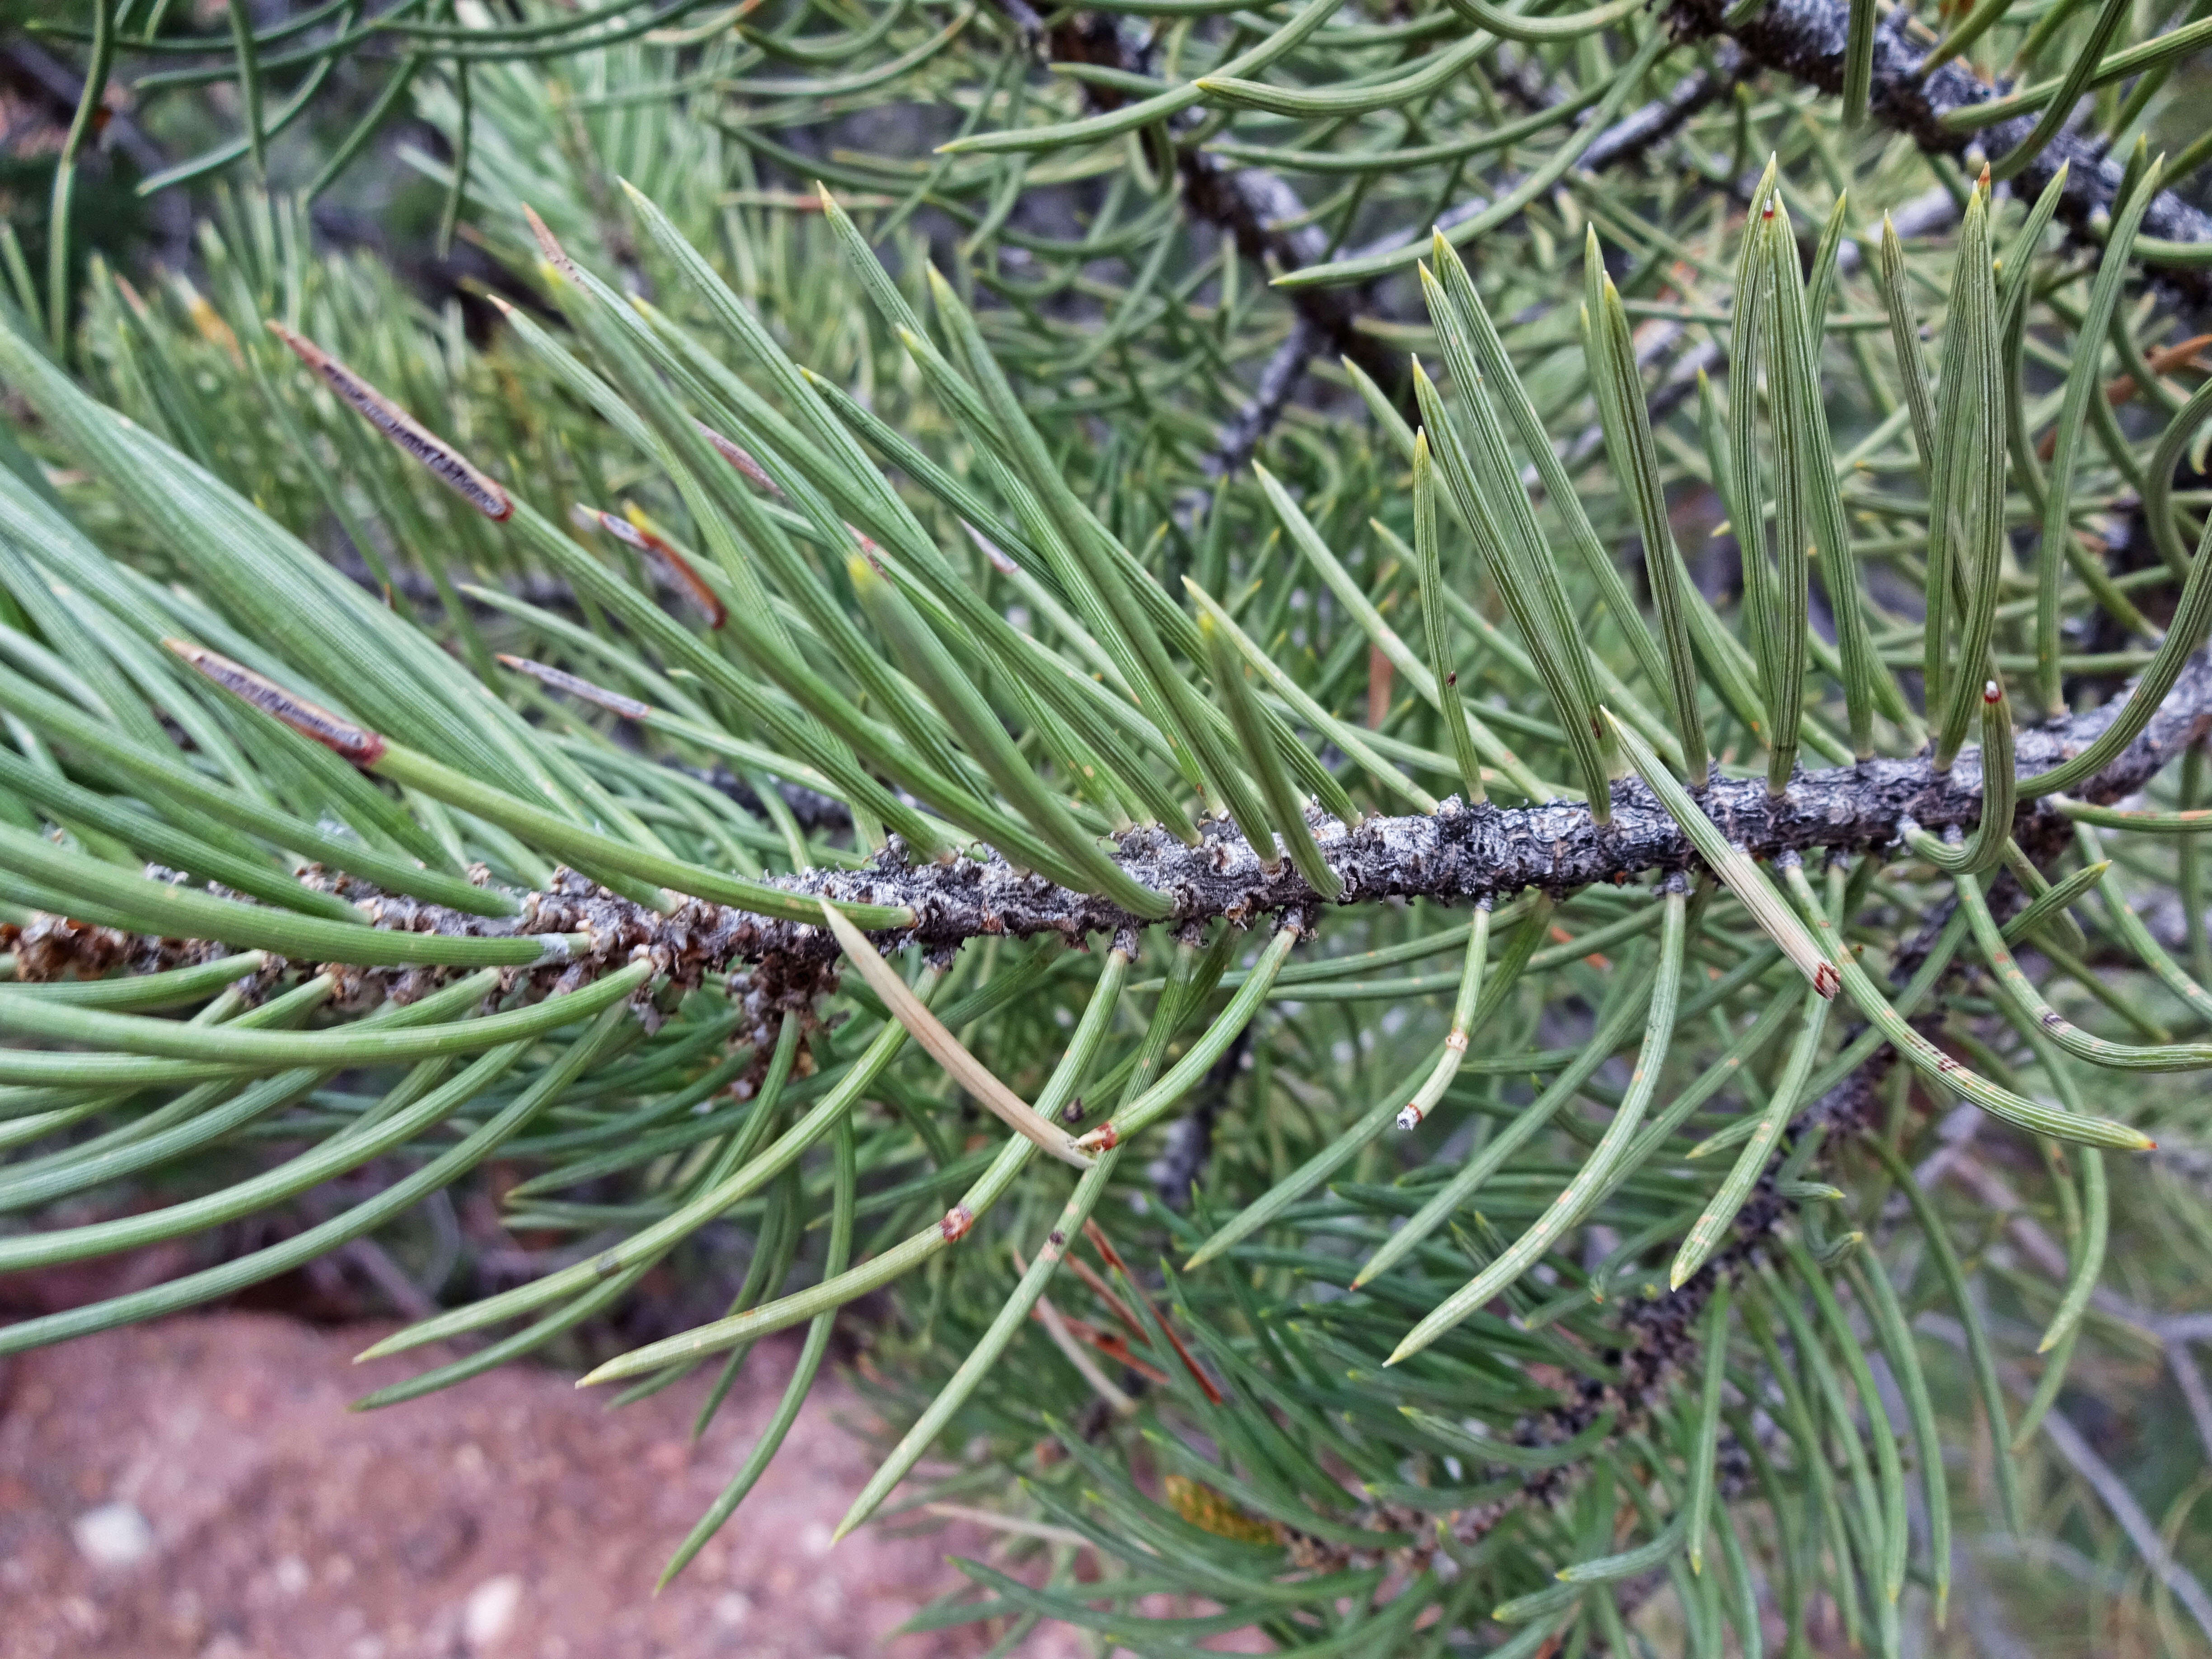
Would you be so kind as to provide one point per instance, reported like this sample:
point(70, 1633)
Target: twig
point(1663, 118)
point(1254, 207)
point(1457, 855)
point(1462, 854)
point(1805, 39)
point(1271, 396)
point(1257, 211)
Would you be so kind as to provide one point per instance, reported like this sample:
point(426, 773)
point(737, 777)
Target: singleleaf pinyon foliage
point(1438, 766)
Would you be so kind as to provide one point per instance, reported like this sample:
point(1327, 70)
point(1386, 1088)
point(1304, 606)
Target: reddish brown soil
point(514, 1517)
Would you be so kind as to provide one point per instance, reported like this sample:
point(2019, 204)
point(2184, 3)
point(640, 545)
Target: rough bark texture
point(1462, 854)
point(1458, 855)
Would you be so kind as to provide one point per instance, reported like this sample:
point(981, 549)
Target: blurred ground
point(198, 1488)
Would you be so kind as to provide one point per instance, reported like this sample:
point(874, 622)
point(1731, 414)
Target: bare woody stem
point(1462, 854)
point(1458, 855)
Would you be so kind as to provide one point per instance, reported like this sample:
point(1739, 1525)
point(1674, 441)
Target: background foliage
point(1896, 1353)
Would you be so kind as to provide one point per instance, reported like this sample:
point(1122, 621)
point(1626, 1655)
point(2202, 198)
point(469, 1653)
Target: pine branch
point(1805, 39)
point(1463, 853)
point(915, 704)
point(1322, 327)
point(1458, 855)
point(1252, 208)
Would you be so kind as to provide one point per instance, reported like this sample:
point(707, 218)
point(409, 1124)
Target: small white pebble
point(113, 1536)
point(490, 1610)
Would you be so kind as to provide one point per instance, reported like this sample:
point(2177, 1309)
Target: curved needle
point(925, 1028)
